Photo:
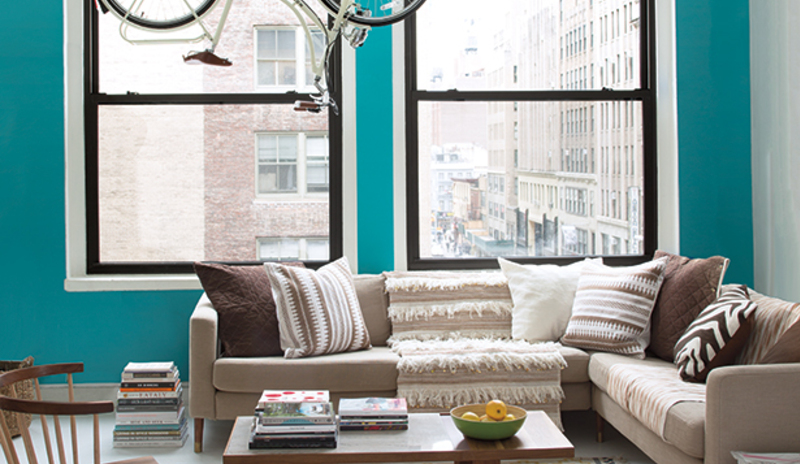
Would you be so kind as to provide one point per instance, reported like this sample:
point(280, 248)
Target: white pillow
point(543, 296)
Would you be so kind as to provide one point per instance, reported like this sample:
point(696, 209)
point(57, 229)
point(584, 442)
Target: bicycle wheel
point(381, 12)
point(160, 14)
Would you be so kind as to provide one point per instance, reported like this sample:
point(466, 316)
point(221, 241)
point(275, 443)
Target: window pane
point(579, 178)
point(287, 73)
point(182, 185)
point(157, 69)
point(316, 148)
point(287, 145)
point(267, 148)
point(266, 73)
point(317, 250)
point(536, 44)
point(267, 45)
point(286, 40)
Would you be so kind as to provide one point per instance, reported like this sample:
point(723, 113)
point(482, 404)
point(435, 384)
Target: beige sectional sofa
point(752, 408)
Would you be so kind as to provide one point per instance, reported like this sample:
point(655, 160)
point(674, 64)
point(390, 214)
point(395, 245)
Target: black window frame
point(94, 99)
point(646, 94)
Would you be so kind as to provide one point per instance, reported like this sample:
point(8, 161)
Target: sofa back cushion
point(427, 305)
point(773, 318)
point(374, 303)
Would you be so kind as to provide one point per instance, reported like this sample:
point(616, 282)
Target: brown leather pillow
point(689, 286)
point(787, 350)
point(242, 296)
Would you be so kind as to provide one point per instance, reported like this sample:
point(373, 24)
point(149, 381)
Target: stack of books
point(373, 414)
point(291, 419)
point(150, 410)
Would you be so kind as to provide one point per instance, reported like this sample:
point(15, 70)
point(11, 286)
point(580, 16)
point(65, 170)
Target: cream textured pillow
point(318, 311)
point(612, 307)
point(543, 297)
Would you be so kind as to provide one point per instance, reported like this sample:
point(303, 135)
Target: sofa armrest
point(203, 351)
point(751, 408)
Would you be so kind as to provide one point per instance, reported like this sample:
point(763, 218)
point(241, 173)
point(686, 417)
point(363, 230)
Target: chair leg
point(599, 426)
point(198, 435)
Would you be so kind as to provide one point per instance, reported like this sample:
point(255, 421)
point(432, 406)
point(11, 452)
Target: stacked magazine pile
point(150, 411)
point(289, 419)
point(373, 414)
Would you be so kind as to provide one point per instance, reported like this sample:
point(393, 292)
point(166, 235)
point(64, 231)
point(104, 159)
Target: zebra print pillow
point(717, 336)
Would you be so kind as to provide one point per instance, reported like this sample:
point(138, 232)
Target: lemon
point(496, 409)
point(509, 417)
point(469, 415)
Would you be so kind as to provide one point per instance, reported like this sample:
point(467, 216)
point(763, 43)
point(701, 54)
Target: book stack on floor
point(150, 410)
point(373, 414)
point(294, 419)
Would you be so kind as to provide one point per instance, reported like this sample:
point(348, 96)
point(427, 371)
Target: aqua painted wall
point(105, 330)
point(713, 71)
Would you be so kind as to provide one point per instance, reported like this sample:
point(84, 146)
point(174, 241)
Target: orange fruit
point(496, 409)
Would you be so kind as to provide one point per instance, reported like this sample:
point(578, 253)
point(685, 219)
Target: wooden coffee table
point(430, 437)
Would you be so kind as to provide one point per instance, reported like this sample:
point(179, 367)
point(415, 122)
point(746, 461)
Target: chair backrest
point(44, 409)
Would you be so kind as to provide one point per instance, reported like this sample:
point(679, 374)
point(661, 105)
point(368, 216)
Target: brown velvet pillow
point(242, 296)
point(787, 350)
point(689, 286)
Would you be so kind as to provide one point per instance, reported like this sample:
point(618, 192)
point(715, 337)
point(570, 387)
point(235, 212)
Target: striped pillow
point(717, 336)
point(612, 307)
point(318, 311)
point(448, 305)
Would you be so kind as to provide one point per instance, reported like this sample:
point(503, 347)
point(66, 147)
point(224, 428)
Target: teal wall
point(713, 70)
point(107, 329)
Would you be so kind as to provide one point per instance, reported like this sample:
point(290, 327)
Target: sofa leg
point(599, 426)
point(198, 435)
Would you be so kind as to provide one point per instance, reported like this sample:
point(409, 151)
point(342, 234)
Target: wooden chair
point(54, 409)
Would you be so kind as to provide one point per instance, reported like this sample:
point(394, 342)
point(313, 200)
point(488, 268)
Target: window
point(551, 139)
point(200, 163)
point(292, 249)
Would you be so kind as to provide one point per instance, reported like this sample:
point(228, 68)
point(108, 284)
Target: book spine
point(150, 444)
point(296, 420)
point(165, 386)
point(345, 428)
point(174, 408)
point(139, 394)
point(258, 444)
point(278, 429)
point(148, 433)
point(147, 401)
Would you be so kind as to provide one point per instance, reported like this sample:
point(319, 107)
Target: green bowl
point(487, 430)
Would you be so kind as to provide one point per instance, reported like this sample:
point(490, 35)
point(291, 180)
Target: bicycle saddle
point(206, 57)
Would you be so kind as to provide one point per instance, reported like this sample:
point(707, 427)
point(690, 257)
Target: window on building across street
point(558, 97)
point(171, 149)
point(280, 62)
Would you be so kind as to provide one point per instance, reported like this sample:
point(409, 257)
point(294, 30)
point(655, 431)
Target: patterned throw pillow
point(689, 286)
point(771, 321)
point(318, 311)
point(717, 336)
point(612, 307)
point(242, 297)
point(448, 305)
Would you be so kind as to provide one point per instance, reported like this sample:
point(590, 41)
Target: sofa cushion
point(612, 307)
point(355, 371)
point(717, 336)
point(242, 296)
point(787, 349)
point(773, 317)
point(685, 422)
point(318, 311)
point(438, 305)
point(577, 370)
point(689, 286)
point(543, 297)
point(374, 306)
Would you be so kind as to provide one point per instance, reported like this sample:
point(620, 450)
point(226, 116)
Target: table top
point(430, 437)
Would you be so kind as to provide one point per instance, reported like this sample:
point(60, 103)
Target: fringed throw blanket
point(446, 305)
point(648, 392)
point(437, 375)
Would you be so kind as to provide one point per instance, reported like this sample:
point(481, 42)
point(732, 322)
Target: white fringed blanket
point(436, 375)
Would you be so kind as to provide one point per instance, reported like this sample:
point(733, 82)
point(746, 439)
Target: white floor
point(579, 428)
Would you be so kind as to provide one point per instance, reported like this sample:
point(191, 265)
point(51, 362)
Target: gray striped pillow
point(612, 307)
point(717, 336)
point(318, 311)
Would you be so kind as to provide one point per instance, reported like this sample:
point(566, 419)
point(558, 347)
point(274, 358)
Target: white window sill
point(115, 282)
